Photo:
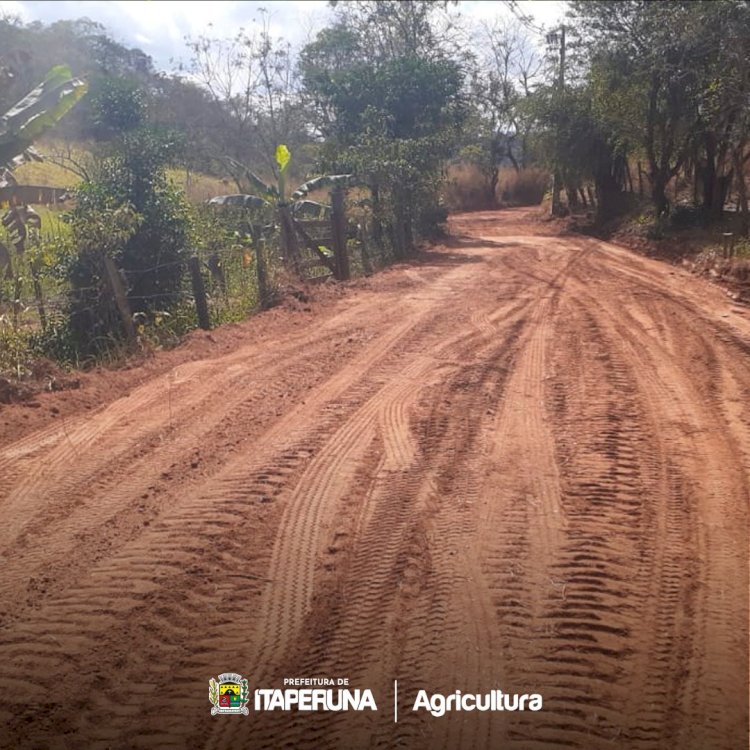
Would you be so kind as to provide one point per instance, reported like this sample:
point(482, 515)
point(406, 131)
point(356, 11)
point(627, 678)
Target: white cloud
point(161, 25)
point(14, 8)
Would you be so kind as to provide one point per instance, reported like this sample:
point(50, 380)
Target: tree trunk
point(708, 172)
point(744, 228)
point(721, 189)
point(492, 189)
point(659, 194)
point(640, 180)
point(377, 225)
point(572, 192)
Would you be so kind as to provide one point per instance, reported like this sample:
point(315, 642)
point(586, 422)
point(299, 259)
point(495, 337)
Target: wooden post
point(338, 233)
point(121, 300)
point(728, 244)
point(261, 276)
point(290, 246)
point(366, 263)
point(199, 292)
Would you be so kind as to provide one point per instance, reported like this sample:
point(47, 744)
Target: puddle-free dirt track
point(519, 463)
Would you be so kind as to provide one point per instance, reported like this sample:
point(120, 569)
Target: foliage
point(20, 126)
point(37, 112)
point(665, 81)
point(130, 211)
point(392, 117)
point(251, 79)
point(275, 196)
point(118, 105)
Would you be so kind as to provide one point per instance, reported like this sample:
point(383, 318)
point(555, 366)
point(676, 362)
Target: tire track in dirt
point(386, 548)
point(686, 394)
point(528, 472)
point(384, 504)
point(145, 575)
point(72, 517)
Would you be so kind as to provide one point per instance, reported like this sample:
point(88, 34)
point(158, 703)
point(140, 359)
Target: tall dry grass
point(467, 189)
point(524, 188)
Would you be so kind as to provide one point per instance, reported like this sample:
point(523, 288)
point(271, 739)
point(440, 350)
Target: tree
point(661, 74)
point(251, 79)
point(150, 222)
point(504, 75)
point(391, 117)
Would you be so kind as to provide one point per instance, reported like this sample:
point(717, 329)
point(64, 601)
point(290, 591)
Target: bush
point(131, 212)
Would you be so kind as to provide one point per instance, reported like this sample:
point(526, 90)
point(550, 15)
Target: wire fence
point(38, 301)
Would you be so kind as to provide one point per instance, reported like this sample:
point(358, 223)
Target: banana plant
point(274, 196)
point(20, 126)
point(288, 210)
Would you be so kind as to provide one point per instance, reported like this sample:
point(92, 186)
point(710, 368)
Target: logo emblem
point(228, 694)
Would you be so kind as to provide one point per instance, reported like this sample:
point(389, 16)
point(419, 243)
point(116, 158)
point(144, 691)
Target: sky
point(159, 27)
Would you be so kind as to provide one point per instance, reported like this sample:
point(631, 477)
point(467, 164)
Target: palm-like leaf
point(38, 111)
point(247, 201)
point(320, 183)
point(263, 188)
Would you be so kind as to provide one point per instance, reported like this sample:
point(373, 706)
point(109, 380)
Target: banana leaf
point(311, 209)
point(247, 201)
point(320, 183)
point(269, 191)
point(17, 221)
point(38, 111)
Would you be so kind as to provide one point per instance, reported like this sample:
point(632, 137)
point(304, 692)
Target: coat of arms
point(228, 694)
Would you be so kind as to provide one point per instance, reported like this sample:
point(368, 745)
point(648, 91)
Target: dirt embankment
point(519, 463)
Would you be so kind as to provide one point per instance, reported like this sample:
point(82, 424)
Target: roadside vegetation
point(633, 117)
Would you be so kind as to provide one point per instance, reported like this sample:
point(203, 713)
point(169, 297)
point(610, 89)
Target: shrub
point(130, 211)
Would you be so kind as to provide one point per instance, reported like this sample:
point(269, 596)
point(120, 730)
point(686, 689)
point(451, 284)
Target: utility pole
point(556, 177)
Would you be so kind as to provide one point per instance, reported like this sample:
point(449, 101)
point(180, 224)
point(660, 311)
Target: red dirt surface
point(518, 463)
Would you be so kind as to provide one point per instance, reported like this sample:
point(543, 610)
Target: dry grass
point(200, 187)
point(466, 189)
point(48, 174)
point(524, 188)
point(197, 186)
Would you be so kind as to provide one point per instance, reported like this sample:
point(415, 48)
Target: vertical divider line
point(395, 701)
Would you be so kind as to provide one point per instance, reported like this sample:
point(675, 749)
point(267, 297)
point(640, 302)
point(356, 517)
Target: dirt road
point(519, 463)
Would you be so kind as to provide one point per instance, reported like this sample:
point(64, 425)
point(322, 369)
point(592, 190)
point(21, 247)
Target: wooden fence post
point(121, 300)
point(338, 233)
point(366, 262)
point(199, 292)
point(261, 275)
point(728, 244)
point(290, 246)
